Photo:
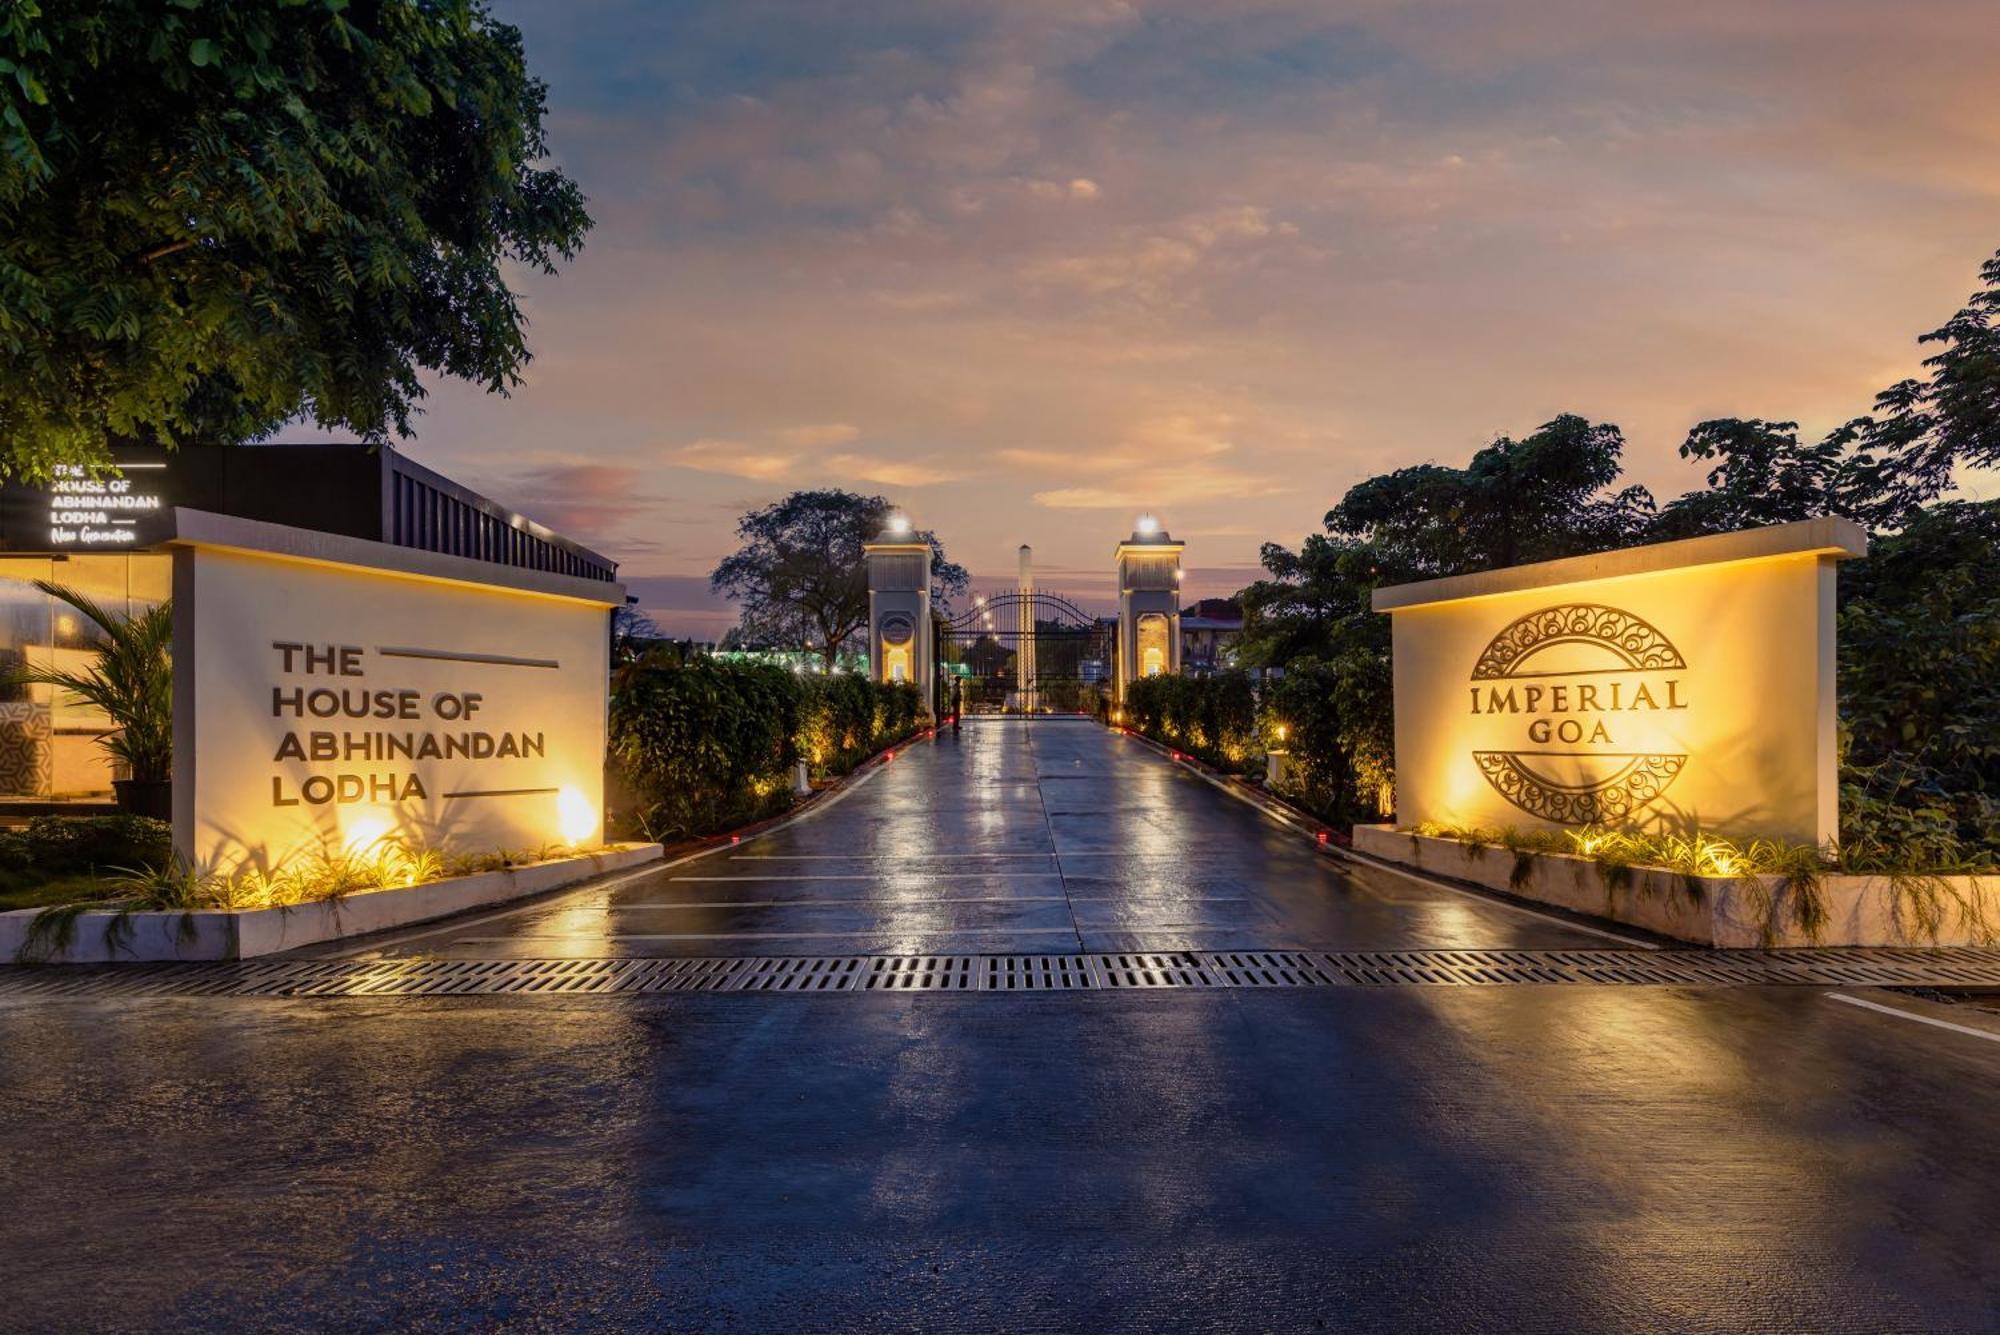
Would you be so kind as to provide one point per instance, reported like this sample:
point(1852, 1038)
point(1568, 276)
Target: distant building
point(1208, 635)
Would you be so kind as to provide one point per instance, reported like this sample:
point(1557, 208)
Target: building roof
point(349, 489)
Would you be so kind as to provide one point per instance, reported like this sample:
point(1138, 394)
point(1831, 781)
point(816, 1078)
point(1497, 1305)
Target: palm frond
point(132, 681)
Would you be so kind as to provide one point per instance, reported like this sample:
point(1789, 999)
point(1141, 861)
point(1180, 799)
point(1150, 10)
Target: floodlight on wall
point(575, 815)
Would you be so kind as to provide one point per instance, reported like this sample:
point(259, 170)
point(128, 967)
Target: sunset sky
point(1029, 268)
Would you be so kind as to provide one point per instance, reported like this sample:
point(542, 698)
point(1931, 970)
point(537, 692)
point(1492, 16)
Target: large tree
point(799, 579)
point(1880, 469)
point(1762, 474)
point(217, 215)
point(1517, 500)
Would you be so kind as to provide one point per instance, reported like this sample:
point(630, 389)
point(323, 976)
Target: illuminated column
point(899, 608)
point(1024, 623)
point(1149, 604)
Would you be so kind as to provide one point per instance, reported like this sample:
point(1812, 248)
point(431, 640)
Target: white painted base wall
point(152, 937)
point(1861, 910)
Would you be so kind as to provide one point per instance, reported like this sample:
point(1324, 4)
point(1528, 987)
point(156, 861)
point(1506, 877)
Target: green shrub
point(703, 744)
point(63, 845)
point(1340, 753)
point(1211, 718)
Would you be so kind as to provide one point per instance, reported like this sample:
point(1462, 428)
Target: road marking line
point(816, 903)
point(1299, 824)
point(373, 943)
point(1987, 1034)
point(877, 876)
point(1421, 879)
point(614, 938)
point(873, 857)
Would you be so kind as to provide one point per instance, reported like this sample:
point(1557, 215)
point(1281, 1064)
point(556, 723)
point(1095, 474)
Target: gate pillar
point(1149, 604)
point(900, 645)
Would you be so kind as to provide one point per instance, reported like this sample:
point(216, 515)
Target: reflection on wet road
point(1527, 1157)
point(1009, 837)
point(1444, 1159)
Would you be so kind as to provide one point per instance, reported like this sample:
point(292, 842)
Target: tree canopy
point(800, 577)
point(282, 207)
point(1518, 500)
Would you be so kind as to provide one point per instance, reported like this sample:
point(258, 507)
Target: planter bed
point(248, 933)
point(1723, 911)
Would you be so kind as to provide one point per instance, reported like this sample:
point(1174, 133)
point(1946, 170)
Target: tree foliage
point(800, 579)
point(131, 681)
point(216, 215)
point(1920, 676)
point(1518, 500)
point(1762, 475)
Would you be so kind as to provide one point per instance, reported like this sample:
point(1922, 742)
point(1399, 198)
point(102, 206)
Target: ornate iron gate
point(1033, 653)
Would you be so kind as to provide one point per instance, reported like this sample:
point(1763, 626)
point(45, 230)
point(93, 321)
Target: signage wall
point(1677, 687)
point(331, 704)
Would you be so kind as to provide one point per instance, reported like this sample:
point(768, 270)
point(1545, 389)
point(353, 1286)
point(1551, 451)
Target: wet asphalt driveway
point(1008, 837)
point(1567, 1157)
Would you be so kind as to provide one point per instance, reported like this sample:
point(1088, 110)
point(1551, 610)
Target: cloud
point(682, 605)
point(732, 457)
point(575, 499)
point(888, 472)
point(811, 437)
point(1045, 264)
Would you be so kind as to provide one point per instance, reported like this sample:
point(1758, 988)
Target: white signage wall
point(330, 692)
point(1680, 686)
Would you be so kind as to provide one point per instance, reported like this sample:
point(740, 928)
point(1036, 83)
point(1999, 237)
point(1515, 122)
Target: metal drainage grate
point(1035, 973)
point(1125, 971)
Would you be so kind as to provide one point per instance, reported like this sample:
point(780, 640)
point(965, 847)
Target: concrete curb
point(1723, 912)
point(105, 938)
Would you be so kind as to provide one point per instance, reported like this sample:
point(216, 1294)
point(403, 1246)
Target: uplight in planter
point(362, 832)
point(575, 816)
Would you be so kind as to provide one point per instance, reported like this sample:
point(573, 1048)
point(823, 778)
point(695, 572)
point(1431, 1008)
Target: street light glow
point(1147, 526)
point(899, 524)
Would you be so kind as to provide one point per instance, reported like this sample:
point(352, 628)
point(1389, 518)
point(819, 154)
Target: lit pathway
point(1011, 837)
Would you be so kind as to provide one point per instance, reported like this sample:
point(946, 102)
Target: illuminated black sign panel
point(85, 509)
point(104, 509)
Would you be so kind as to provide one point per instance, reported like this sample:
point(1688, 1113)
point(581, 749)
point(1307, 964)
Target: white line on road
point(1989, 1035)
point(1050, 874)
point(875, 857)
point(781, 936)
point(369, 945)
point(1420, 879)
point(820, 903)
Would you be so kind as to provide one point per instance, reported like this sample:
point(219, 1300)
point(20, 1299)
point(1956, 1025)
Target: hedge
point(1211, 718)
point(702, 745)
point(1338, 761)
point(53, 846)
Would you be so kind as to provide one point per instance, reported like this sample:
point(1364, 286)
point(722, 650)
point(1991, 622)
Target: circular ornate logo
point(897, 628)
point(1577, 679)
